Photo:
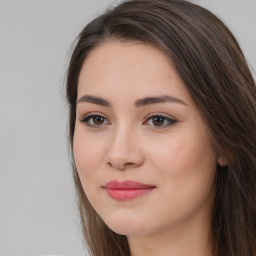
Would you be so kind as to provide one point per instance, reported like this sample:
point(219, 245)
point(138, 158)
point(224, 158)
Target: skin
point(178, 158)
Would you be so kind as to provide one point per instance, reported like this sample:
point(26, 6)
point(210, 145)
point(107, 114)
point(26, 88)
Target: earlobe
point(225, 158)
point(221, 161)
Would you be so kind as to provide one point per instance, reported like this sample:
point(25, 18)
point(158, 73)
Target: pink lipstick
point(127, 190)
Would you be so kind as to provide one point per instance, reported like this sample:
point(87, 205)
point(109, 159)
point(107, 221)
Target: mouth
point(127, 190)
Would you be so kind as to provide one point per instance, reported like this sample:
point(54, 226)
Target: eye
point(159, 121)
point(94, 120)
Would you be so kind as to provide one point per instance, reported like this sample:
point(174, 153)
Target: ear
point(221, 160)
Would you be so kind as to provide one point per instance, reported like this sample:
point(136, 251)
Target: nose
point(124, 150)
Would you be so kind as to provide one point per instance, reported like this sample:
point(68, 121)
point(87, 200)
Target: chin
point(126, 226)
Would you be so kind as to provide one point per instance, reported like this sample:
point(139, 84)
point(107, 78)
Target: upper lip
point(126, 184)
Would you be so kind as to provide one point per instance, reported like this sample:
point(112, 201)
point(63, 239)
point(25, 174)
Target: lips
point(127, 190)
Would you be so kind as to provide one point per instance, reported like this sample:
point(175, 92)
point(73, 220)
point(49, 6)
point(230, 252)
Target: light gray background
point(38, 213)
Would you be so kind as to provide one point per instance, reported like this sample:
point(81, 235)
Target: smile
point(127, 190)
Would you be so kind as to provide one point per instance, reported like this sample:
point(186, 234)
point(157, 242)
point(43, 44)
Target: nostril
point(121, 159)
point(120, 166)
point(128, 164)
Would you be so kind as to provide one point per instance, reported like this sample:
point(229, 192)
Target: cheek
point(183, 151)
point(88, 155)
point(185, 169)
point(185, 163)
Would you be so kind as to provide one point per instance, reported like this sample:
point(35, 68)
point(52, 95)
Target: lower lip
point(127, 194)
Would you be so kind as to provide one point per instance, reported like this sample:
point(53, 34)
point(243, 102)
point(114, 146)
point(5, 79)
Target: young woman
point(163, 133)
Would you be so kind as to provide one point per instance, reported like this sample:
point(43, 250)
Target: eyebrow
point(138, 103)
point(158, 99)
point(94, 100)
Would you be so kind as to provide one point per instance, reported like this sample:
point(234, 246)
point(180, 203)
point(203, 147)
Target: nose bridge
point(122, 139)
point(123, 148)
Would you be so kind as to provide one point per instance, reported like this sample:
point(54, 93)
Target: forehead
point(132, 68)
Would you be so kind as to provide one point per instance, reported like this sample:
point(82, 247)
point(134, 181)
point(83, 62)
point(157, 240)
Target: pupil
point(98, 120)
point(158, 121)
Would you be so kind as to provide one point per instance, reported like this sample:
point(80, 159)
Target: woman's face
point(142, 150)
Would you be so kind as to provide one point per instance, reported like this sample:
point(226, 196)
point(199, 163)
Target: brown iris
point(98, 120)
point(158, 120)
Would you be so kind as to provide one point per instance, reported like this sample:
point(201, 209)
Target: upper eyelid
point(160, 114)
point(148, 116)
point(92, 114)
point(85, 119)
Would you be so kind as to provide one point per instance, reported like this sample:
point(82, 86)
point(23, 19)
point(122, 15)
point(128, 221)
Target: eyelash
point(88, 117)
point(170, 120)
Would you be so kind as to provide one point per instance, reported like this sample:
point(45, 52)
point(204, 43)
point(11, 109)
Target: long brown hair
point(212, 65)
